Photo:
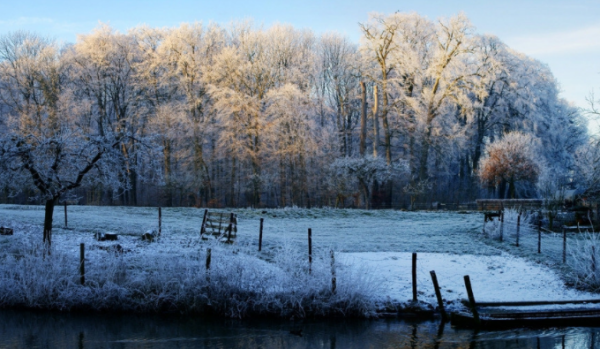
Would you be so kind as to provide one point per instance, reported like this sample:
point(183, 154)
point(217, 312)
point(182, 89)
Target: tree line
point(242, 115)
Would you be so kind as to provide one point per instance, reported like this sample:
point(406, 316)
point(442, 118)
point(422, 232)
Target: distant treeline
point(243, 115)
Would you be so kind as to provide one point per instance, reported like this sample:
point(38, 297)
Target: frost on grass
point(167, 277)
point(496, 229)
point(584, 261)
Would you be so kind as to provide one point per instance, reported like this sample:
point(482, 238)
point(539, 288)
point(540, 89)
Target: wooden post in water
point(472, 303)
point(66, 225)
point(82, 263)
point(438, 295)
point(309, 250)
point(414, 276)
point(564, 245)
point(202, 228)
point(159, 221)
point(518, 227)
point(333, 277)
point(260, 235)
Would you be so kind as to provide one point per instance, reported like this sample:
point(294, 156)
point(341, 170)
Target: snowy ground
point(375, 244)
point(338, 229)
point(493, 278)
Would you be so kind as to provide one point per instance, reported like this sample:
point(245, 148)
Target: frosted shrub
point(508, 228)
point(585, 260)
point(492, 229)
point(165, 278)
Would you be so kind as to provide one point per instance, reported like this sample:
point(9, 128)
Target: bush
point(237, 284)
point(585, 253)
point(495, 228)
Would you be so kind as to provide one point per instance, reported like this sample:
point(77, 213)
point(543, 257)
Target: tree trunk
point(375, 121)
point(167, 169)
point(387, 137)
point(366, 195)
point(363, 121)
point(424, 154)
point(133, 190)
point(511, 189)
point(502, 189)
point(49, 212)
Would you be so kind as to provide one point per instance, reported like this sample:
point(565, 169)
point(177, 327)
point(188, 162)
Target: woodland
point(241, 115)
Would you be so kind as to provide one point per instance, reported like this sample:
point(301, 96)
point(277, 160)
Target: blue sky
point(563, 34)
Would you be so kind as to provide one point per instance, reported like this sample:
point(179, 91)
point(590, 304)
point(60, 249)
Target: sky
point(563, 34)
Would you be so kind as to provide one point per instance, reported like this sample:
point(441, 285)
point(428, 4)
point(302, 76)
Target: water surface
point(26, 329)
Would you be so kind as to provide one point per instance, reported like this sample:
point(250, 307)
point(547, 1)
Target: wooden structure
point(497, 319)
point(494, 315)
point(6, 231)
point(489, 216)
point(499, 204)
point(221, 225)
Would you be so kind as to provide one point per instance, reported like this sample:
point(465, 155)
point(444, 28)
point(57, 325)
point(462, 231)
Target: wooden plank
point(529, 303)
point(568, 318)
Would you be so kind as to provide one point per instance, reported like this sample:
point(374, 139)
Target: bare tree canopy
point(244, 115)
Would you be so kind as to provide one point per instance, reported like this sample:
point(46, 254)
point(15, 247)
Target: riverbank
point(372, 265)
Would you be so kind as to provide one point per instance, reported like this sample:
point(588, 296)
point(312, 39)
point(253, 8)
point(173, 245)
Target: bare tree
point(49, 144)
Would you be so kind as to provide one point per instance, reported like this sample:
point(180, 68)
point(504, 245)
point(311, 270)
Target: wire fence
point(572, 249)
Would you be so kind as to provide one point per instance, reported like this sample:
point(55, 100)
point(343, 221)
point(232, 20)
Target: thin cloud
point(573, 41)
point(21, 21)
point(64, 31)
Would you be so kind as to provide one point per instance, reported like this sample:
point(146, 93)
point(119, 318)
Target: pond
point(27, 329)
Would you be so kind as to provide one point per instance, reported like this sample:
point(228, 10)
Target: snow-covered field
point(338, 229)
point(373, 262)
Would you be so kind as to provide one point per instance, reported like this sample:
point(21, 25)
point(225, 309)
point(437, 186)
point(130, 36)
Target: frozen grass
point(580, 267)
point(372, 266)
point(236, 285)
point(585, 261)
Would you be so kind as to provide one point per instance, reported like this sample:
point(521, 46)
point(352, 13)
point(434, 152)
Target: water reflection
point(24, 329)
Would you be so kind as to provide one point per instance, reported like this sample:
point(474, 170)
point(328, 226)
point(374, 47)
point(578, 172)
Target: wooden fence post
point(414, 276)
point(333, 277)
point(230, 229)
point(564, 245)
point(207, 265)
point(502, 225)
point(66, 225)
point(82, 263)
point(202, 228)
point(518, 227)
point(208, 257)
point(472, 303)
point(540, 236)
point(594, 260)
point(309, 250)
point(260, 235)
point(159, 221)
point(438, 295)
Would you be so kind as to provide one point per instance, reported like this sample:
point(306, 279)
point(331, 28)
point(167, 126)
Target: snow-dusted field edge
point(372, 264)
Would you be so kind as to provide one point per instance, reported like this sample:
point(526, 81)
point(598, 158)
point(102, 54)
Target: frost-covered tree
point(102, 66)
point(336, 84)
point(290, 140)
point(366, 170)
point(510, 160)
point(252, 115)
point(49, 144)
